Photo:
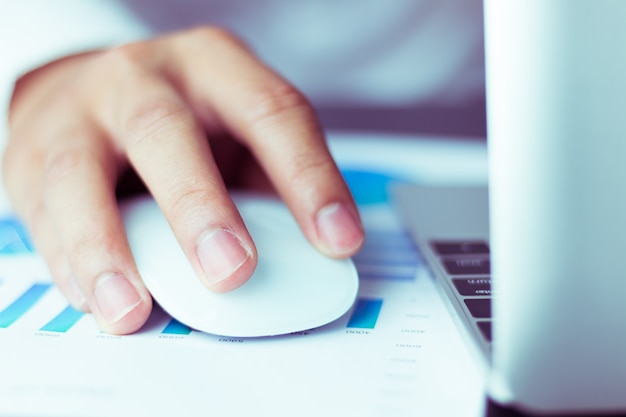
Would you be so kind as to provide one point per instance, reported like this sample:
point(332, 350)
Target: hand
point(77, 124)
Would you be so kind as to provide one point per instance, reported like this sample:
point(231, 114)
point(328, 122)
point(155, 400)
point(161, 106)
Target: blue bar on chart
point(387, 256)
point(20, 306)
point(365, 313)
point(176, 327)
point(14, 238)
point(63, 321)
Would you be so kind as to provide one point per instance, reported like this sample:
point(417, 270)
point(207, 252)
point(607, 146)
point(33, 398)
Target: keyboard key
point(473, 286)
point(468, 247)
point(485, 329)
point(467, 266)
point(479, 308)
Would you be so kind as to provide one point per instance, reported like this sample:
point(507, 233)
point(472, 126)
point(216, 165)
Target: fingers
point(169, 150)
point(45, 236)
point(277, 124)
point(73, 217)
point(151, 104)
point(78, 195)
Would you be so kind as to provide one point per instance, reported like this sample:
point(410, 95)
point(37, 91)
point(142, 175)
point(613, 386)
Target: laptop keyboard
point(465, 267)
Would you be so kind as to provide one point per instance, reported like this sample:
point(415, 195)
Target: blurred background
point(412, 66)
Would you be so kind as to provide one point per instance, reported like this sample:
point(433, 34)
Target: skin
point(191, 113)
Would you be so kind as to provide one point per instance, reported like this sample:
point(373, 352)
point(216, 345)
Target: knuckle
point(64, 164)
point(212, 35)
point(186, 201)
point(274, 102)
point(93, 244)
point(89, 245)
point(155, 115)
point(126, 57)
point(132, 66)
point(306, 169)
point(73, 97)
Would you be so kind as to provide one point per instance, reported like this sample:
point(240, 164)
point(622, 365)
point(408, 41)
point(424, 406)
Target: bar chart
point(387, 256)
point(22, 304)
point(13, 237)
point(364, 314)
point(63, 321)
point(395, 353)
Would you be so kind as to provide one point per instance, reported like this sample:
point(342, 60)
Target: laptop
point(533, 266)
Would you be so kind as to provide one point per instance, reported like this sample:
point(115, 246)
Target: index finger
point(276, 122)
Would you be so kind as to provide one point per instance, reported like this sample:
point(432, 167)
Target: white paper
point(411, 362)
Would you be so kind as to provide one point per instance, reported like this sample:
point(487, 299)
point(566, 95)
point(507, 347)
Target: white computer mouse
point(293, 288)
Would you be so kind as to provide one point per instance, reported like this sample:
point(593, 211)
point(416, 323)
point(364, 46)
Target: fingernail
point(116, 297)
point(221, 253)
point(339, 229)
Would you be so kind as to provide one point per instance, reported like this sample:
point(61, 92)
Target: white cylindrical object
point(556, 96)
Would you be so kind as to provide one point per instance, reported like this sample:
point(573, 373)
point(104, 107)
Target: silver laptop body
point(550, 238)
